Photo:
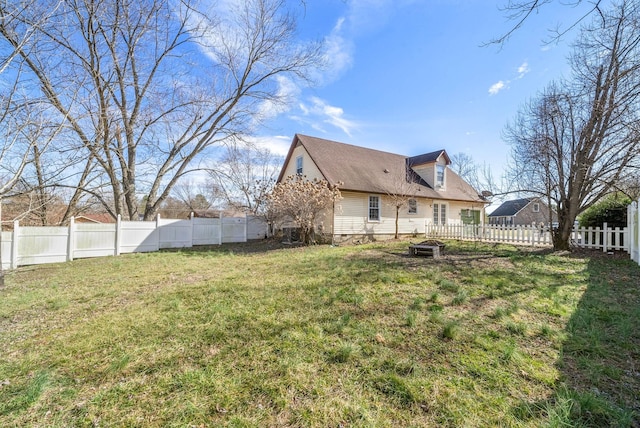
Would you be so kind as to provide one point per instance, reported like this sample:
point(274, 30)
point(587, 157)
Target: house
point(369, 180)
point(518, 212)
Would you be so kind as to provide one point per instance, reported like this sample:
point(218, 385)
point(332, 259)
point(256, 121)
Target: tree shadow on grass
point(600, 358)
point(250, 247)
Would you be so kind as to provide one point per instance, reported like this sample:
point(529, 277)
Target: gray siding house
point(521, 212)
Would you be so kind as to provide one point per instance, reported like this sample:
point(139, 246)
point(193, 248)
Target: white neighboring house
point(369, 180)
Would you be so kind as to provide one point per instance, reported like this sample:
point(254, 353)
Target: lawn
point(362, 336)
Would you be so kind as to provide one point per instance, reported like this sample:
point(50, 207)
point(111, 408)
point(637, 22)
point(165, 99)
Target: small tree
point(403, 183)
point(302, 201)
point(245, 175)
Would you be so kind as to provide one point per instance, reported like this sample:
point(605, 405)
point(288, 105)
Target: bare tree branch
point(519, 11)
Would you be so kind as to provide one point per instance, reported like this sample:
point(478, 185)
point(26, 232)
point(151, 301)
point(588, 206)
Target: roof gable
point(429, 158)
point(373, 171)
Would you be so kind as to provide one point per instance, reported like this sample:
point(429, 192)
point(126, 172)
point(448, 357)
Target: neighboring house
point(369, 179)
point(520, 212)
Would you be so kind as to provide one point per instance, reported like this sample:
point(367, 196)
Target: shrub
point(611, 210)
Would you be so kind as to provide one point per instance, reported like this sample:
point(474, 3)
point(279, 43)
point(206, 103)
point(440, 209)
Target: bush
point(611, 210)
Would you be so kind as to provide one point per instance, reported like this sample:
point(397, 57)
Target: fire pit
point(430, 247)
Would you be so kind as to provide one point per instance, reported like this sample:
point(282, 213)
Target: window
point(536, 207)
point(413, 206)
point(299, 165)
point(440, 175)
point(439, 214)
point(374, 208)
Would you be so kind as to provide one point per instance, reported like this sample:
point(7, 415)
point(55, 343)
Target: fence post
point(116, 250)
point(637, 234)
point(220, 234)
point(14, 244)
point(246, 226)
point(636, 226)
point(193, 228)
point(71, 239)
point(631, 229)
point(605, 237)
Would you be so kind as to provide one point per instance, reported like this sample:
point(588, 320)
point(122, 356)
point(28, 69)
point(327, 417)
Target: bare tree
point(18, 118)
point(580, 137)
point(302, 201)
point(480, 177)
point(403, 185)
point(197, 196)
point(630, 186)
point(464, 165)
point(147, 87)
point(519, 11)
point(245, 175)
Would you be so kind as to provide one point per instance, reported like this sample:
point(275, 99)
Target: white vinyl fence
point(633, 220)
point(39, 245)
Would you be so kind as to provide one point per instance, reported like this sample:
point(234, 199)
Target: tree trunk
point(397, 215)
point(562, 234)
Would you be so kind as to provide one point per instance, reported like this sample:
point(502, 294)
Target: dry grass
point(257, 335)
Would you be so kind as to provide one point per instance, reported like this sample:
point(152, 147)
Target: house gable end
point(310, 167)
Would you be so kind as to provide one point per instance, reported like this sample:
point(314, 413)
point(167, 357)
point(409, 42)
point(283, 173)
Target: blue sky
point(412, 77)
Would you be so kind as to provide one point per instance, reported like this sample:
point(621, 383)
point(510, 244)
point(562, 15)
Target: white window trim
point(446, 212)
point(379, 208)
point(536, 207)
point(415, 207)
point(300, 159)
point(444, 176)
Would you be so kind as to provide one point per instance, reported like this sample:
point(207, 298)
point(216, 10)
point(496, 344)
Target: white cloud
point(523, 69)
point(333, 115)
point(286, 93)
point(277, 144)
point(319, 112)
point(338, 54)
point(496, 87)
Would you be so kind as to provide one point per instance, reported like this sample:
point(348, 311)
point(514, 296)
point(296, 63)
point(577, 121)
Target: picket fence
point(604, 238)
point(39, 245)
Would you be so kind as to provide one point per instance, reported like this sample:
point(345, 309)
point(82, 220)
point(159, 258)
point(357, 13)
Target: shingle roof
point(363, 170)
point(428, 157)
point(510, 208)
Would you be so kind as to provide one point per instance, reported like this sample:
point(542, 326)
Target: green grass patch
point(256, 335)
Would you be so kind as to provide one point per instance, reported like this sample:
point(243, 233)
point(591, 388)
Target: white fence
point(604, 238)
point(633, 220)
point(39, 245)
